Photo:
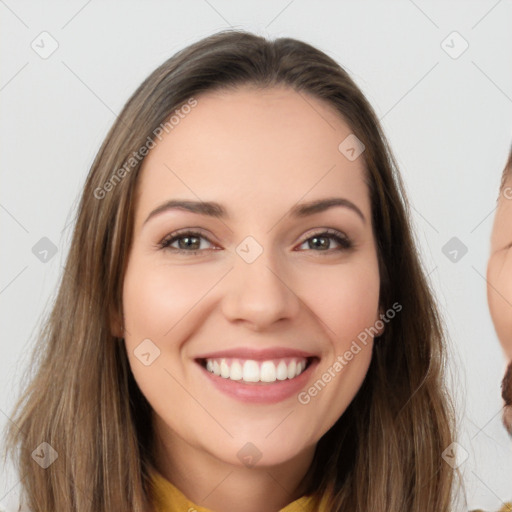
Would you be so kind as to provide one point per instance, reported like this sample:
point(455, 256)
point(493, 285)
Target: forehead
point(253, 144)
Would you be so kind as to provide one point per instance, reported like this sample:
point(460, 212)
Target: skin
point(499, 268)
point(257, 153)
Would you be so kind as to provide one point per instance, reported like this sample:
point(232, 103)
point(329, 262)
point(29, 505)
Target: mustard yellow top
point(168, 498)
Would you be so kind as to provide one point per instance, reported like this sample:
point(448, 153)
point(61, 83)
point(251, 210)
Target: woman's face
point(251, 287)
point(499, 269)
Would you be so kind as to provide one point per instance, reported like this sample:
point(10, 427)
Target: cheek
point(158, 304)
point(344, 298)
point(156, 297)
point(499, 294)
point(346, 302)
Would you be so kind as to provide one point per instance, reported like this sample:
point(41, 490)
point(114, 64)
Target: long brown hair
point(384, 452)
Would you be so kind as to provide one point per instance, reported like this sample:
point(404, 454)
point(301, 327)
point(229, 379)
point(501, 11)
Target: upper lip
point(257, 354)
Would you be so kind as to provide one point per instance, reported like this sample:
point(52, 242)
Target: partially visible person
point(499, 282)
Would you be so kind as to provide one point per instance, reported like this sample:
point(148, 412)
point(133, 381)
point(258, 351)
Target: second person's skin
point(499, 282)
point(259, 154)
point(499, 271)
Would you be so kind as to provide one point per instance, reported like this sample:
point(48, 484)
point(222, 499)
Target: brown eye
point(322, 242)
point(187, 242)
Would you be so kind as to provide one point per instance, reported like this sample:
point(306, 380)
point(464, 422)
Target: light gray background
point(449, 122)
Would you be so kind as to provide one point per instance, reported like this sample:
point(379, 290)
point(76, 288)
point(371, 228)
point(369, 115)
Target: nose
point(259, 294)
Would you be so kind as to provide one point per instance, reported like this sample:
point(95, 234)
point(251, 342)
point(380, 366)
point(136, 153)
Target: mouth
point(253, 371)
point(253, 381)
point(264, 377)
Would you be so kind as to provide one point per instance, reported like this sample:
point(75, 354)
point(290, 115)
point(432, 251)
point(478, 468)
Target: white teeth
point(250, 370)
point(268, 372)
point(292, 367)
point(282, 371)
point(235, 371)
point(224, 369)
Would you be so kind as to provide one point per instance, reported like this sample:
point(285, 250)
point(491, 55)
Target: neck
point(223, 487)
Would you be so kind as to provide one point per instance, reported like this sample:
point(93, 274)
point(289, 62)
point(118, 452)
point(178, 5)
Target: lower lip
point(261, 392)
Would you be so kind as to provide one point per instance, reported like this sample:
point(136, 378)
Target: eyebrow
point(213, 209)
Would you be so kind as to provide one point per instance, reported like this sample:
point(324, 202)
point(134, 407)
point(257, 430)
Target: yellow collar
point(168, 498)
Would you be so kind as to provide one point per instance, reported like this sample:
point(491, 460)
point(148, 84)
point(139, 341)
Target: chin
point(261, 453)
